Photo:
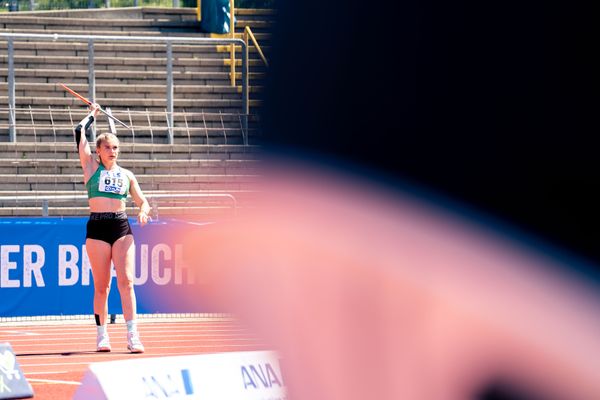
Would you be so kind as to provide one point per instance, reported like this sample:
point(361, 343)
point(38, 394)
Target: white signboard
point(253, 375)
point(13, 384)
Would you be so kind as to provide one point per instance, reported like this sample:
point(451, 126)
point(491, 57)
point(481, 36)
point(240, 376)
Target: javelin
point(89, 103)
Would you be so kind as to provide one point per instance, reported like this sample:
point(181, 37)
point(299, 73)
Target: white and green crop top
point(113, 184)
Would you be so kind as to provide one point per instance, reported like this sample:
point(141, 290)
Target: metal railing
point(249, 35)
point(56, 125)
point(92, 39)
point(152, 199)
point(232, 36)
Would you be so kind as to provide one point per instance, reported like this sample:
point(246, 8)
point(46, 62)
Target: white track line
point(159, 324)
point(92, 330)
point(52, 381)
point(122, 326)
point(48, 373)
point(160, 338)
point(147, 328)
point(138, 356)
point(92, 353)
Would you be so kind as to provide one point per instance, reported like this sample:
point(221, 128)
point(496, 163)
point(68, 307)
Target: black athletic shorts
point(108, 227)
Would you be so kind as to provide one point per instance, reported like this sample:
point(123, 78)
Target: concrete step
point(153, 179)
point(250, 13)
point(133, 103)
point(124, 68)
point(118, 49)
point(213, 136)
point(137, 151)
point(261, 37)
point(199, 140)
point(46, 166)
point(137, 91)
point(157, 13)
point(27, 21)
point(52, 24)
point(103, 49)
point(147, 182)
point(241, 14)
point(99, 32)
point(127, 77)
point(132, 64)
point(181, 65)
point(121, 57)
point(77, 75)
point(162, 14)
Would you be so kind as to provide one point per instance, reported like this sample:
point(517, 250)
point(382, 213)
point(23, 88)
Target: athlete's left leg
point(123, 256)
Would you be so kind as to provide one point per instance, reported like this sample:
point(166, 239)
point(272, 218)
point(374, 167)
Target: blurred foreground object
point(368, 294)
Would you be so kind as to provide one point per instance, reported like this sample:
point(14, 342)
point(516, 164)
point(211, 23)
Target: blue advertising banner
point(45, 270)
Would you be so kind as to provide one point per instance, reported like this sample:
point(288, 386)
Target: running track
point(54, 357)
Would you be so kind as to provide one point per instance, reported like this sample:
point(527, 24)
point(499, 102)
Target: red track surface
point(54, 358)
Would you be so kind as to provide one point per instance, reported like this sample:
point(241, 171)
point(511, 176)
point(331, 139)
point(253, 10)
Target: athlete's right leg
point(124, 259)
point(99, 253)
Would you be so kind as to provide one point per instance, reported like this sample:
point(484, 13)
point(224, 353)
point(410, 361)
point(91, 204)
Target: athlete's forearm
point(85, 125)
point(145, 207)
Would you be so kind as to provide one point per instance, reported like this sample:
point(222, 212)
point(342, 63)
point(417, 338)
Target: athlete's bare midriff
point(105, 204)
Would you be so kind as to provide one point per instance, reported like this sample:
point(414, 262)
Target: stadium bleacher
point(211, 150)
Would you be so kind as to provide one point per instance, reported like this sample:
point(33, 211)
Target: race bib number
point(112, 182)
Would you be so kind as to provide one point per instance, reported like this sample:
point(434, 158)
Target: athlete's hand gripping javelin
point(95, 109)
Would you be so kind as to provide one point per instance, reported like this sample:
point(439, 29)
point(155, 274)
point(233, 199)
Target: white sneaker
point(134, 344)
point(103, 343)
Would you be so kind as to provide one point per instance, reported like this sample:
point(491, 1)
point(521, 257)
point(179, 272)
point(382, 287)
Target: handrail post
point(245, 91)
point(12, 123)
point(170, 118)
point(92, 80)
point(232, 35)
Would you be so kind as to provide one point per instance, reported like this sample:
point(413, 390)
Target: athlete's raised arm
point(88, 163)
